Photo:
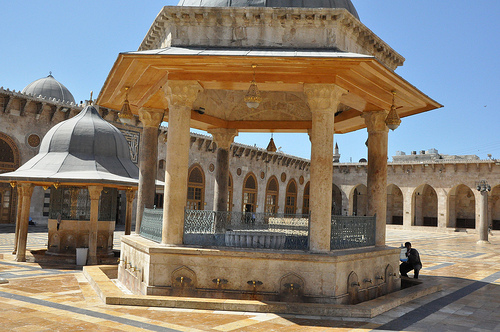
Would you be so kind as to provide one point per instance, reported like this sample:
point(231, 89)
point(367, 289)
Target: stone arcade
point(193, 70)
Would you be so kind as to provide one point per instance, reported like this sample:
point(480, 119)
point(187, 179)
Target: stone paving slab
point(59, 298)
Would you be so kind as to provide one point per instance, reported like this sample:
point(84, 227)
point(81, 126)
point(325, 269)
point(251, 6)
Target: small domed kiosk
point(85, 161)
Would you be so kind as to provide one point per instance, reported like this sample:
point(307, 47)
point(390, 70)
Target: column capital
point(130, 193)
point(151, 117)
point(95, 192)
point(375, 121)
point(323, 97)
point(25, 189)
point(182, 93)
point(223, 137)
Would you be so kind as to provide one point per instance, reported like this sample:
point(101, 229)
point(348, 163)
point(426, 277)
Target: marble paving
point(59, 298)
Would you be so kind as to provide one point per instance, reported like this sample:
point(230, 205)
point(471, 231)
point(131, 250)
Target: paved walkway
point(43, 298)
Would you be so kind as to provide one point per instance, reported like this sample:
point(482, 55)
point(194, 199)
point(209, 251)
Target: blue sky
point(451, 50)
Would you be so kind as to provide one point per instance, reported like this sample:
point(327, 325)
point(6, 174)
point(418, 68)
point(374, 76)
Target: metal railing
point(260, 230)
point(352, 232)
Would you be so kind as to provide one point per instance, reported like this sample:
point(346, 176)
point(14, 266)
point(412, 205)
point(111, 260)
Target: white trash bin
point(81, 256)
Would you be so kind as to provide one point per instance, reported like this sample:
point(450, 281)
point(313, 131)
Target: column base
point(483, 242)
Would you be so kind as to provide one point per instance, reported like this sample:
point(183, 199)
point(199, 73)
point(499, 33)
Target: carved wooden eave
point(281, 77)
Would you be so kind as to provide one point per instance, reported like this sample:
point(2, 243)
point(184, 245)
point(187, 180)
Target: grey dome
point(85, 148)
point(49, 87)
point(346, 4)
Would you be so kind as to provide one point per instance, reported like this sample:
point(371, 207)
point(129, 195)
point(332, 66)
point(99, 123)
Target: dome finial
point(50, 74)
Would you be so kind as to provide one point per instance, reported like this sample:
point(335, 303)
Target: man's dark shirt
point(413, 258)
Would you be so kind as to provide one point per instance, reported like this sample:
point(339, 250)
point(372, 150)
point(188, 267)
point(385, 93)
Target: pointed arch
point(462, 207)
point(336, 201)
point(196, 188)
point(291, 197)
point(358, 200)
point(394, 213)
point(305, 201)
point(425, 206)
point(272, 194)
point(249, 193)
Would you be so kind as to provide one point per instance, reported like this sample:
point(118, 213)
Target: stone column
point(26, 190)
point(130, 193)
point(180, 95)
point(442, 208)
point(408, 209)
point(223, 138)
point(377, 170)
point(148, 159)
point(95, 195)
point(482, 206)
point(323, 100)
point(18, 217)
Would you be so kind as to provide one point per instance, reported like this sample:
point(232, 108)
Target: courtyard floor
point(58, 298)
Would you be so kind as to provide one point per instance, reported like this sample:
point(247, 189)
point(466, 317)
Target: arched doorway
point(291, 197)
point(462, 207)
point(196, 188)
point(9, 161)
point(394, 205)
point(336, 201)
point(359, 200)
point(495, 207)
point(249, 193)
point(425, 205)
point(305, 202)
point(272, 194)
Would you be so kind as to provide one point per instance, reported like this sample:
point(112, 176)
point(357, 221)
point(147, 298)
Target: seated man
point(413, 262)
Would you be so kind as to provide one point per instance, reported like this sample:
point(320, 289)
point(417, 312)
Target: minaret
point(336, 154)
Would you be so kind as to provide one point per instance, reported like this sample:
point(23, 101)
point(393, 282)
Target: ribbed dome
point(346, 4)
point(85, 148)
point(49, 87)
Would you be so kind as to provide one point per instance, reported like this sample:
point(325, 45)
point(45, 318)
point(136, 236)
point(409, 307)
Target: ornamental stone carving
point(223, 137)
point(181, 93)
point(323, 97)
point(151, 117)
point(375, 121)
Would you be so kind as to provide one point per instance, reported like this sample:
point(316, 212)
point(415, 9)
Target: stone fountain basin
point(255, 239)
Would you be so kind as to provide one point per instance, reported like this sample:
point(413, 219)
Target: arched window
point(305, 203)
point(9, 161)
point(250, 193)
point(272, 194)
point(196, 189)
point(230, 193)
point(291, 197)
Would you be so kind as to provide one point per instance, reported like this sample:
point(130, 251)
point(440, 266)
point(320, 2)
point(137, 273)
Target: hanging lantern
point(125, 115)
point(253, 98)
point(393, 121)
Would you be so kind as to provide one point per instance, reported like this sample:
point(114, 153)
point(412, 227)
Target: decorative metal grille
point(248, 226)
point(72, 203)
point(152, 224)
point(352, 232)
